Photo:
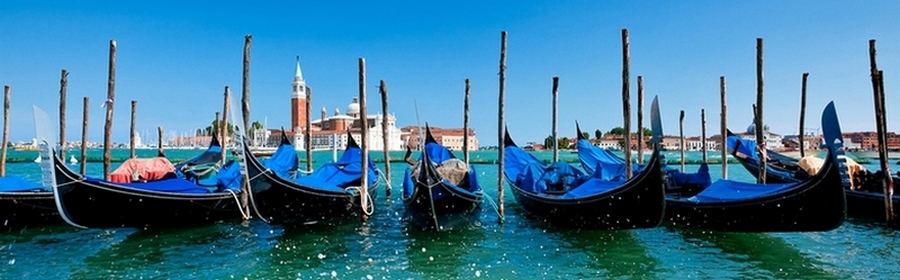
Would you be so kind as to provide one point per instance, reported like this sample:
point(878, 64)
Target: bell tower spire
point(298, 100)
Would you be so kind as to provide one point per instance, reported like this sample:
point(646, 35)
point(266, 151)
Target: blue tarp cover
point(174, 185)
point(334, 176)
point(612, 168)
point(560, 180)
point(748, 148)
point(16, 184)
point(727, 190)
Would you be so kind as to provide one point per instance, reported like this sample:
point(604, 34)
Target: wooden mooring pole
point(887, 183)
point(110, 101)
point(466, 124)
point(223, 127)
point(245, 85)
point(84, 128)
point(555, 118)
point(307, 138)
point(385, 136)
point(131, 139)
point(3, 150)
point(681, 136)
point(640, 120)
point(626, 101)
point(760, 124)
point(723, 127)
point(364, 134)
point(703, 134)
point(500, 126)
point(63, 84)
point(159, 142)
point(802, 135)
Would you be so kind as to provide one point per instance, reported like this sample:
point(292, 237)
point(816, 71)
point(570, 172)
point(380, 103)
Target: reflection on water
point(442, 254)
point(612, 254)
point(763, 254)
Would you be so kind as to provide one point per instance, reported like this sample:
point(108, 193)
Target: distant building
point(773, 141)
point(327, 132)
point(452, 138)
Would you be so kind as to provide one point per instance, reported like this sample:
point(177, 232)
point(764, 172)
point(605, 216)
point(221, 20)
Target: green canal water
point(384, 248)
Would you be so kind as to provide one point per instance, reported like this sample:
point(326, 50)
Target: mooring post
point(159, 142)
point(466, 124)
point(307, 138)
point(245, 85)
point(681, 136)
point(3, 150)
point(364, 122)
point(760, 124)
point(63, 84)
point(84, 127)
point(887, 183)
point(555, 119)
point(110, 100)
point(626, 102)
point(723, 127)
point(382, 88)
point(223, 127)
point(802, 133)
point(640, 120)
point(131, 140)
point(500, 126)
point(703, 134)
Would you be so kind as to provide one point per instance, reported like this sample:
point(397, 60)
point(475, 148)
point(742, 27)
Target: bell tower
point(298, 100)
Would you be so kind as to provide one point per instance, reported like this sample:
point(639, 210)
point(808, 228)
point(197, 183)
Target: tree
point(564, 143)
point(616, 131)
point(548, 142)
point(598, 134)
point(585, 135)
point(648, 131)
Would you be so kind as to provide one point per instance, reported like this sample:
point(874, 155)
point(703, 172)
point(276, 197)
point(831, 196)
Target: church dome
point(752, 128)
point(353, 108)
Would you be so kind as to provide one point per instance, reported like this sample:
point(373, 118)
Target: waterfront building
point(452, 138)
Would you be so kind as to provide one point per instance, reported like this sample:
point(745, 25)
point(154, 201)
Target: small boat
point(779, 168)
point(25, 204)
point(440, 191)
point(72, 160)
point(168, 201)
point(332, 191)
point(814, 204)
point(865, 196)
point(562, 195)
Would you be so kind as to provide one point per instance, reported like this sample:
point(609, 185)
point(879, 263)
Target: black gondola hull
point(870, 205)
point(27, 209)
point(818, 204)
point(452, 210)
point(638, 203)
point(107, 205)
point(277, 200)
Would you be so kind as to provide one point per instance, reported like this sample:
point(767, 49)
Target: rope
point(237, 200)
point(368, 199)
point(494, 204)
point(387, 182)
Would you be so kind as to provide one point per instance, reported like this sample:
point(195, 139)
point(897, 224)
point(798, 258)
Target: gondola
point(815, 204)
point(25, 204)
point(440, 192)
point(779, 168)
point(332, 191)
point(562, 195)
point(864, 200)
point(172, 201)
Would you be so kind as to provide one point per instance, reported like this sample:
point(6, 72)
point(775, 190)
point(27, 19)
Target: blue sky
point(175, 59)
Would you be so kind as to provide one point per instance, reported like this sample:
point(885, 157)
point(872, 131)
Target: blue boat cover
point(438, 154)
point(728, 190)
point(334, 176)
point(172, 185)
point(748, 148)
point(17, 184)
point(606, 166)
point(229, 177)
point(560, 180)
point(610, 166)
point(284, 161)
